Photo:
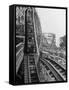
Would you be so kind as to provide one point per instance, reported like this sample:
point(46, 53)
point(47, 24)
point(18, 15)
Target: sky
point(52, 21)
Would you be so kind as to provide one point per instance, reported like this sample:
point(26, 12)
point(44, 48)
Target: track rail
point(48, 56)
point(53, 70)
point(58, 68)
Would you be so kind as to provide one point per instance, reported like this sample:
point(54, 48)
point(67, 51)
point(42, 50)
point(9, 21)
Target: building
point(48, 41)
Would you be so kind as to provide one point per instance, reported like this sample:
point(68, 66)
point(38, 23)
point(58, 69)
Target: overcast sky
point(52, 21)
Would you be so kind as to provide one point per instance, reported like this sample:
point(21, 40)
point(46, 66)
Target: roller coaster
point(32, 64)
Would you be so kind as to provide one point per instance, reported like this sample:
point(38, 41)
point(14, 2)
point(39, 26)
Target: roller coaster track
point(53, 58)
point(19, 55)
point(27, 72)
point(31, 69)
point(55, 71)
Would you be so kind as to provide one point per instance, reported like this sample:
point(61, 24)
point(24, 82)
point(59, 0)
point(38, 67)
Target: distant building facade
point(48, 40)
